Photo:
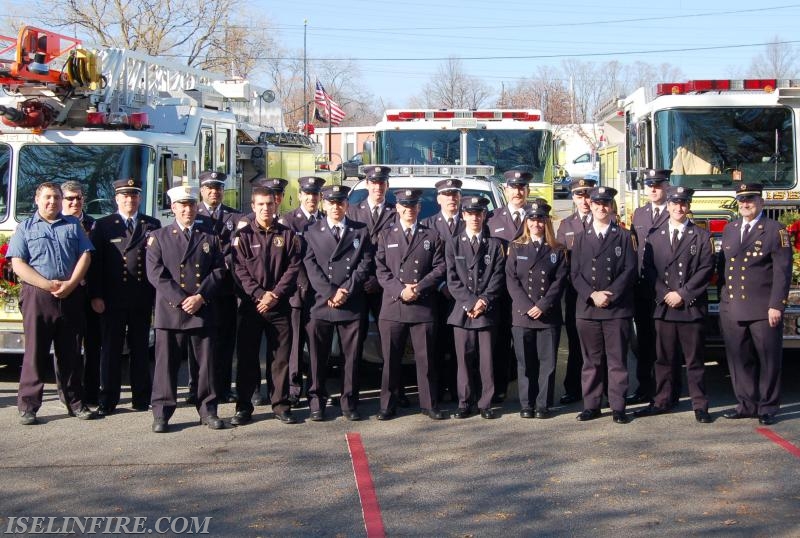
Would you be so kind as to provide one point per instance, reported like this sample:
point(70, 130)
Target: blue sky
point(400, 44)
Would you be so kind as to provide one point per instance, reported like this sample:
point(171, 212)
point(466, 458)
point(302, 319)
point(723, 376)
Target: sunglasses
point(73, 198)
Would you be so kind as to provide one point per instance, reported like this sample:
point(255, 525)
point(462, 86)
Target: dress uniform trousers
point(320, 342)
point(137, 321)
point(276, 326)
point(223, 348)
point(445, 349)
point(674, 338)
point(474, 346)
point(536, 351)
point(572, 377)
point(92, 356)
point(644, 303)
point(47, 320)
point(604, 339)
point(394, 335)
point(173, 346)
point(299, 319)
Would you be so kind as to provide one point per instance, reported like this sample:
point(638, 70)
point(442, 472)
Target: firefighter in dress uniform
point(603, 271)
point(298, 220)
point(121, 293)
point(646, 221)
point(266, 258)
point(410, 267)
point(448, 223)
point(570, 227)
point(338, 260)
point(679, 258)
point(536, 274)
point(476, 279)
point(186, 265)
point(755, 268)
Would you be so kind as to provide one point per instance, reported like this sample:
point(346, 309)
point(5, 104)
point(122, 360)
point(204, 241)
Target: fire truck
point(430, 141)
point(68, 113)
point(713, 135)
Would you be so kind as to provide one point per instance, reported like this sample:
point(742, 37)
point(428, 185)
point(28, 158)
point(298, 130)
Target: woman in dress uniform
point(536, 276)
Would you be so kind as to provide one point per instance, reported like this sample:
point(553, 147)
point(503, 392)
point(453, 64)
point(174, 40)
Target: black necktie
point(674, 239)
point(585, 221)
point(311, 219)
point(451, 224)
point(746, 231)
point(536, 245)
point(336, 234)
point(375, 213)
point(600, 236)
point(130, 226)
point(186, 233)
point(656, 213)
point(516, 219)
point(408, 236)
point(474, 243)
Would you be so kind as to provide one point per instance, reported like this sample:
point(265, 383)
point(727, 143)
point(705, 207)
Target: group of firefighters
point(467, 283)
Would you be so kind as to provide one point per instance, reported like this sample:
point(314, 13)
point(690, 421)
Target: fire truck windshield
point(95, 166)
point(505, 149)
point(715, 148)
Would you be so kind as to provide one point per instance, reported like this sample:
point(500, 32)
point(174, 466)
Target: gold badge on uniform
point(278, 241)
point(206, 248)
point(784, 238)
point(693, 250)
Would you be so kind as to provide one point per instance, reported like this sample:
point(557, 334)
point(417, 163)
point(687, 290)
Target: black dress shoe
point(542, 413)
point(104, 411)
point(317, 416)
point(160, 425)
point(499, 398)
point(588, 414)
point(352, 416)
point(568, 399)
point(213, 422)
point(620, 417)
point(228, 398)
point(402, 401)
point(636, 398)
point(767, 419)
point(191, 399)
point(285, 417)
point(258, 400)
point(461, 412)
point(734, 414)
point(241, 417)
point(434, 414)
point(702, 416)
point(526, 412)
point(386, 414)
point(28, 418)
point(137, 407)
point(488, 413)
point(84, 413)
point(650, 411)
point(294, 402)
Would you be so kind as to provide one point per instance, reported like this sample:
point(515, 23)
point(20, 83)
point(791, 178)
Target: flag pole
point(305, 88)
point(330, 139)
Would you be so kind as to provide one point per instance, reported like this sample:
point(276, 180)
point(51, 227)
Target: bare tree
point(452, 87)
point(779, 61)
point(545, 90)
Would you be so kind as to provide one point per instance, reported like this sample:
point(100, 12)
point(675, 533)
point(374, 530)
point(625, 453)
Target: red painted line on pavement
point(780, 441)
point(370, 508)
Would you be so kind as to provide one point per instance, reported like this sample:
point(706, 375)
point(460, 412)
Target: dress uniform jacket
point(419, 262)
point(223, 225)
point(535, 277)
point(608, 265)
point(474, 276)
point(438, 223)
point(296, 221)
point(361, 213)
point(331, 266)
point(178, 268)
point(643, 227)
point(91, 337)
point(117, 274)
point(568, 228)
point(755, 274)
point(686, 270)
point(501, 223)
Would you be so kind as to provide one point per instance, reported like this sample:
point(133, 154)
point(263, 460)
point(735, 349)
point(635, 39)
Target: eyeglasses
point(73, 198)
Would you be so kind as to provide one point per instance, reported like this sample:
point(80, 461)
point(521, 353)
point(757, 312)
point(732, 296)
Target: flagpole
point(330, 139)
point(305, 89)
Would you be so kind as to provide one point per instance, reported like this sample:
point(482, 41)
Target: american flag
point(327, 107)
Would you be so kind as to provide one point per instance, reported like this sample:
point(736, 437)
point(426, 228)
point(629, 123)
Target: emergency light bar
point(438, 170)
point(490, 115)
point(700, 86)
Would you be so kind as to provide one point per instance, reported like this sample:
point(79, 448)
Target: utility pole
point(305, 78)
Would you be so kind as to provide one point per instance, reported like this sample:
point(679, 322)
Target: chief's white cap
point(184, 193)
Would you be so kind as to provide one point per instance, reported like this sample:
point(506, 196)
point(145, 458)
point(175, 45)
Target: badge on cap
point(601, 190)
point(475, 199)
point(131, 183)
point(336, 188)
point(535, 206)
point(582, 183)
point(408, 192)
point(449, 182)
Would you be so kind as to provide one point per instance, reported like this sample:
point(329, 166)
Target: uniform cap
point(578, 185)
point(183, 193)
point(212, 178)
point(449, 185)
point(517, 177)
point(127, 185)
point(474, 203)
point(408, 196)
point(602, 194)
point(679, 194)
point(653, 176)
point(312, 184)
point(538, 210)
point(376, 173)
point(335, 192)
point(745, 190)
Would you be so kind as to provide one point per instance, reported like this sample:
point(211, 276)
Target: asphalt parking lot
point(665, 475)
